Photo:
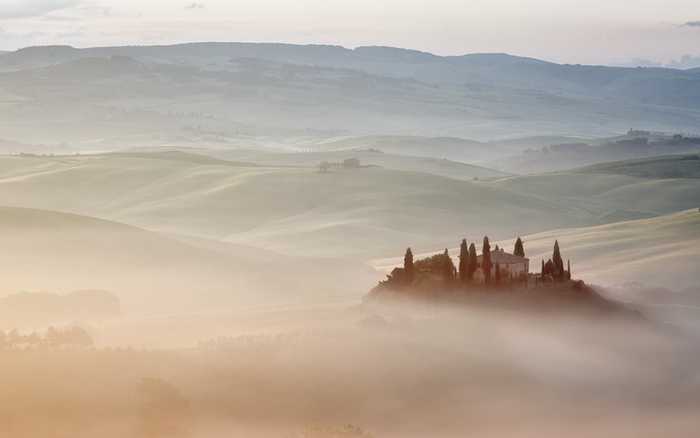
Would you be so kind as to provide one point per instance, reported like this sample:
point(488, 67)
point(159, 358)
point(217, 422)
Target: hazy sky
point(576, 31)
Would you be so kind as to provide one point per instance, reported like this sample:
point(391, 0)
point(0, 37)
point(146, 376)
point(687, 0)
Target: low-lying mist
point(376, 369)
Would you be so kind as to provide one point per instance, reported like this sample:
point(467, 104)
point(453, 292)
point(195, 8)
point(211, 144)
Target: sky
point(572, 31)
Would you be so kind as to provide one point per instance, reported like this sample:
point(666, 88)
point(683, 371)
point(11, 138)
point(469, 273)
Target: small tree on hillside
point(464, 261)
point(486, 260)
point(408, 267)
point(473, 262)
point(558, 261)
point(519, 250)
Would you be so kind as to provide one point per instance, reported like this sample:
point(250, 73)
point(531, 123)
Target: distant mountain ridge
point(370, 59)
point(229, 89)
point(314, 54)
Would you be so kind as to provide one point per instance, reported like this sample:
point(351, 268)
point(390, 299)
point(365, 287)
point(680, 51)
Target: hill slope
point(573, 155)
point(661, 251)
point(300, 211)
point(153, 273)
point(656, 252)
point(673, 166)
point(367, 157)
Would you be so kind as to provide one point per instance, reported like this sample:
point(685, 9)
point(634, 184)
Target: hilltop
point(495, 279)
point(657, 252)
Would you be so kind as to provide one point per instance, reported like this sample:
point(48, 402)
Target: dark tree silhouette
point(448, 268)
point(486, 260)
point(473, 262)
point(464, 261)
point(498, 273)
point(549, 268)
point(542, 271)
point(568, 269)
point(408, 267)
point(519, 250)
point(558, 262)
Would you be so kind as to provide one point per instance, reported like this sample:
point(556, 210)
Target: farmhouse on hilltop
point(492, 269)
point(510, 265)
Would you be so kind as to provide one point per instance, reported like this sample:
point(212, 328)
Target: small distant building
point(510, 265)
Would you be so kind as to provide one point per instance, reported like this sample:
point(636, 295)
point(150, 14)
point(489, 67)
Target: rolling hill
point(225, 91)
point(292, 210)
point(458, 149)
point(655, 252)
point(660, 251)
point(45, 251)
point(300, 211)
point(572, 155)
point(367, 157)
point(673, 166)
point(619, 193)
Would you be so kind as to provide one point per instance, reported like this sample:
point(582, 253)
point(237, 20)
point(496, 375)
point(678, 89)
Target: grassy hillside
point(674, 166)
point(661, 251)
point(656, 252)
point(436, 147)
point(293, 210)
point(151, 272)
point(362, 213)
point(574, 155)
point(367, 157)
point(609, 197)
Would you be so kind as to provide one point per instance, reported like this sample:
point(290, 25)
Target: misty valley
point(305, 241)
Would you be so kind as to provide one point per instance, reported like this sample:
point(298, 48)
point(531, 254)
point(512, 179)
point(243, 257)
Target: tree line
point(554, 268)
point(463, 274)
point(70, 337)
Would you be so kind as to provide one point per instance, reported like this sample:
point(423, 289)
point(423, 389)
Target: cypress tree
point(568, 269)
point(464, 261)
point(448, 268)
point(408, 267)
point(550, 269)
point(519, 250)
point(486, 260)
point(558, 261)
point(473, 261)
point(542, 271)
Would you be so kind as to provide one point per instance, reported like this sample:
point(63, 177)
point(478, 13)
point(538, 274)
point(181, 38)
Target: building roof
point(503, 258)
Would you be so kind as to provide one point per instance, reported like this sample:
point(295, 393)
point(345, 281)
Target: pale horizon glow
point(591, 32)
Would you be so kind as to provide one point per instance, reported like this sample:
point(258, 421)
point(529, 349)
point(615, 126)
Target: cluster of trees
point(349, 163)
point(554, 267)
point(70, 337)
point(442, 264)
